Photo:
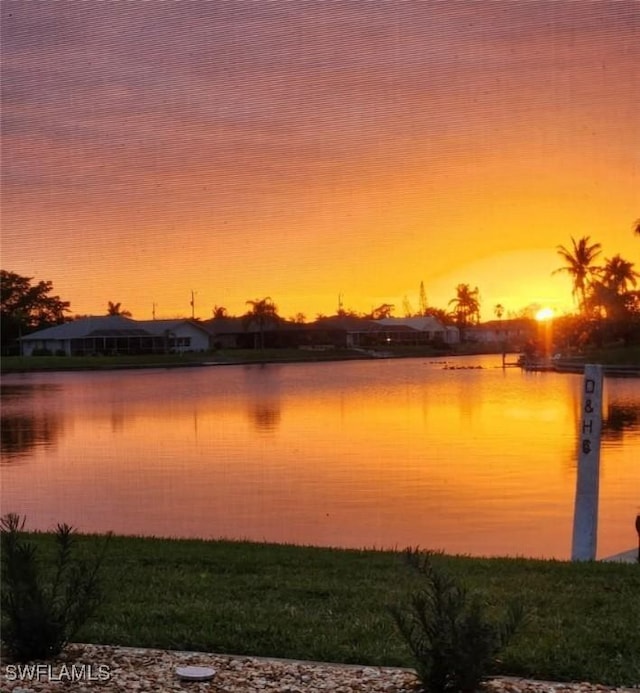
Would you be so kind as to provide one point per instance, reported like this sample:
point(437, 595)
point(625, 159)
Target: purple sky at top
point(179, 131)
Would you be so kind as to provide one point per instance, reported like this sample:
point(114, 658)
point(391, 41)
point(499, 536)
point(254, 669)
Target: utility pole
point(193, 304)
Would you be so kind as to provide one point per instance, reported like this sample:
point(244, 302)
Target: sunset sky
point(302, 150)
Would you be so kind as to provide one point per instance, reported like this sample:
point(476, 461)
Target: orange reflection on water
point(393, 454)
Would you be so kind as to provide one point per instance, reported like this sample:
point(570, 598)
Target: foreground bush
point(43, 609)
point(448, 631)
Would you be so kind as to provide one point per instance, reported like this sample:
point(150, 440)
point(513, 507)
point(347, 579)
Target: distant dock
point(565, 366)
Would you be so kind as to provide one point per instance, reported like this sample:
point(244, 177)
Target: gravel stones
point(104, 669)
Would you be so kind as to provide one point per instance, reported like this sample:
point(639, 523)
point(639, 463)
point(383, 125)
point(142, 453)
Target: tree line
point(606, 290)
point(607, 302)
point(605, 293)
point(28, 307)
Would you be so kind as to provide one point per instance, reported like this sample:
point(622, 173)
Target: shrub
point(43, 609)
point(453, 641)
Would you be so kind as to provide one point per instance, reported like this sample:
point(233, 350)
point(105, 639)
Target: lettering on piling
point(585, 518)
point(587, 414)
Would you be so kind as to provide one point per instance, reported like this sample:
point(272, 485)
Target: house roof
point(109, 326)
point(236, 325)
point(422, 324)
point(227, 325)
point(363, 325)
point(347, 323)
point(513, 325)
point(508, 323)
point(160, 327)
point(94, 325)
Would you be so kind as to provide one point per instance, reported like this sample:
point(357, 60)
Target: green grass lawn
point(21, 364)
point(12, 364)
point(18, 364)
point(331, 605)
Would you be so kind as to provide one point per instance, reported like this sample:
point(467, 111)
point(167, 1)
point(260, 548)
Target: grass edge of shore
point(323, 604)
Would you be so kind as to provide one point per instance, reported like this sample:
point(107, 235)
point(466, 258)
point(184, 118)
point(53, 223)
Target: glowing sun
point(544, 314)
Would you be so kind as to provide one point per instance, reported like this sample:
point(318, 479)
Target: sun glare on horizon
point(545, 314)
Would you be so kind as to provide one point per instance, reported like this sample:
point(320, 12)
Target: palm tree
point(609, 295)
point(466, 305)
point(498, 309)
point(263, 312)
point(636, 227)
point(115, 309)
point(579, 265)
point(381, 312)
point(618, 274)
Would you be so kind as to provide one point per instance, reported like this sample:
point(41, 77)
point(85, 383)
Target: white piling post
point(585, 517)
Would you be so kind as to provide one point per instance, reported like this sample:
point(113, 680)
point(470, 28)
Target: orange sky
point(303, 150)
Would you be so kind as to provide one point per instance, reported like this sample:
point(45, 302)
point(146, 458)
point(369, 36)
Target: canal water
point(460, 455)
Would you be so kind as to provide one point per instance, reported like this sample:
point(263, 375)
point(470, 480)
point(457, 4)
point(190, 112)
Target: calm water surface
point(384, 453)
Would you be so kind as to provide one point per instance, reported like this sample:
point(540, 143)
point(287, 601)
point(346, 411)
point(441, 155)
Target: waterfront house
point(427, 329)
point(116, 334)
point(240, 333)
point(347, 331)
point(336, 331)
point(509, 334)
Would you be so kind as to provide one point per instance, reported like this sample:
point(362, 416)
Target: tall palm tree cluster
point(601, 291)
point(466, 305)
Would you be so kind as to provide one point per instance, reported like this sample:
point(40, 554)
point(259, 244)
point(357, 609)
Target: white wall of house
point(496, 335)
point(54, 346)
point(188, 338)
point(484, 335)
point(451, 334)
